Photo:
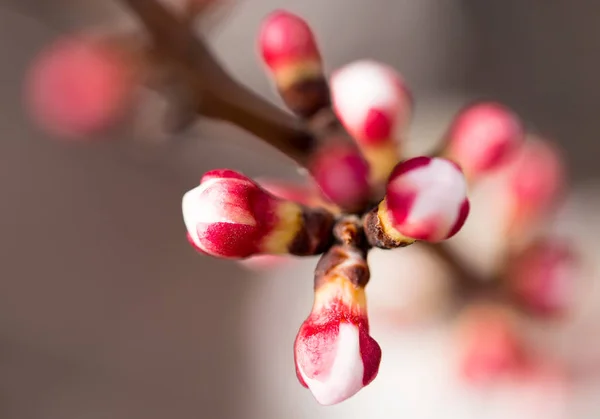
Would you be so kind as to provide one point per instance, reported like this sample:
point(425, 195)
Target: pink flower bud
point(490, 344)
point(543, 277)
point(78, 86)
point(372, 102)
point(426, 199)
point(535, 182)
point(288, 48)
point(230, 216)
point(482, 137)
point(334, 353)
point(342, 174)
point(375, 106)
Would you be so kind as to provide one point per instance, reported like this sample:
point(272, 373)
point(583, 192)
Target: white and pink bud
point(490, 346)
point(375, 106)
point(289, 49)
point(230, 216)
point(426, 199)
point(536, 181)
point(342, 174)
point(482, 137)
point(544, 277)
point(79, 86)
point(335, 355)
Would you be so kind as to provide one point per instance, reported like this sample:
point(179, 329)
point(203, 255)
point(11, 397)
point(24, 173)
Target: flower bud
point(375, 106)
point(490, 345)
point(230, 216)
point(426, 199)
point(289, 49)
point(342, 174)
point(482, 137)
point(78, 86)
point(543, 278)
point(335, 355)
point(536, 180)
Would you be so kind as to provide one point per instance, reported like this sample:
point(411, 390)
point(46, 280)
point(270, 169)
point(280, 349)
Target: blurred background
point(107, 312)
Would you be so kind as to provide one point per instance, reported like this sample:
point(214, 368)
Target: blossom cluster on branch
point(348, 131)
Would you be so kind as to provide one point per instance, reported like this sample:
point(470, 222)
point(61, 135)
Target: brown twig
point(218, 95)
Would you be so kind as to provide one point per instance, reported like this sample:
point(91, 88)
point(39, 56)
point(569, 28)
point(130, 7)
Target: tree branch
point(217, 95)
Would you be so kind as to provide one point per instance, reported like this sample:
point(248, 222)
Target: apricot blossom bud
point(289, 50)
point(536, 180)
point(78, 86)
point(342, 173)
point(374, 105)
point(482, 137)
point(230, 216)
point(335, 355)
point(543, 278)
point(306, 194)
point(490, 344)
point(426, 199)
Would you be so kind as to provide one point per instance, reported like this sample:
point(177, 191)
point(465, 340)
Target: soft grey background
point(105, 311)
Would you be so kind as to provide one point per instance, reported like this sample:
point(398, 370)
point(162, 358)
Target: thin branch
point(217, 94)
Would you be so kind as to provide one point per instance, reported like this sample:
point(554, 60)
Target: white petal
point(346, 376)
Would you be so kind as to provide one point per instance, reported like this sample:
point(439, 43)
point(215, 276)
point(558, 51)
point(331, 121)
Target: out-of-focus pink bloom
point(482, 137)
point(334, 353)
point(426, 199)
point(230, 216)
point(375, 106)
point(288, 48)
point(342, 174)
point(490, 345)
point(78, 86)
point(544, 276)
point(536, 180)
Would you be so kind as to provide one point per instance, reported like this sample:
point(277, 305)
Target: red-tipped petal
point(427, 199)
point(230, 216)
point(372, 101)
point(335, 355)
point(285, 39)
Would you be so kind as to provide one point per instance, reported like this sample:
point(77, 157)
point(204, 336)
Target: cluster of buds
point(537, 272)
point(364, 192)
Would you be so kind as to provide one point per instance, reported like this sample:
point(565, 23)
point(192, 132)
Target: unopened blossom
point(375, 106)
point(482, 137)
point(426, 199)
point(544, 277)
point(490, 346)
point(342, 173)
point(536, 181)
point(230, 216)
point(335, 355)
point(78, 86)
